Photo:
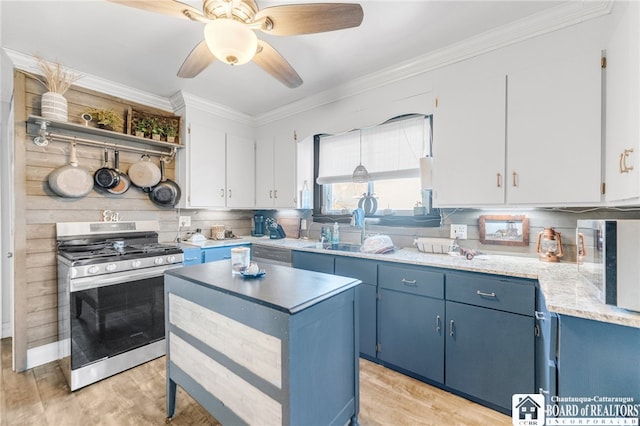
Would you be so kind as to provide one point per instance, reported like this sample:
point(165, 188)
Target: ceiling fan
point(229, 30)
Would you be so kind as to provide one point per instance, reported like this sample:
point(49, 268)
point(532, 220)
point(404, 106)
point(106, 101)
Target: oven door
point(115, 313)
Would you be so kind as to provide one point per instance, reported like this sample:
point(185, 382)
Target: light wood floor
point(40, 396)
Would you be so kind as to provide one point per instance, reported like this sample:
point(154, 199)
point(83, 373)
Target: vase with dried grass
point(57, 81)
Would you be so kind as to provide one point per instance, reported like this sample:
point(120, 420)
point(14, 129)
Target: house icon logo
point(527, 410)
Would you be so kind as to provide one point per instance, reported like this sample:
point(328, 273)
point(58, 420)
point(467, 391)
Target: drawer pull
point(452, 329)
point(483, 294)
point(408, 282)
point(438, 324)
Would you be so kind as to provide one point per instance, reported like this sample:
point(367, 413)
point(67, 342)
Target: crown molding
point(183, 99)
point(554, 19)
point(29, 64)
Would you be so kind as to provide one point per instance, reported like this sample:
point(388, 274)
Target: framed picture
point(504, 229)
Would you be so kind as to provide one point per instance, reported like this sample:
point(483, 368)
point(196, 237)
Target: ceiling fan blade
point(272, 62)
point(294, 19)
point(199, 58)
point(166, 7)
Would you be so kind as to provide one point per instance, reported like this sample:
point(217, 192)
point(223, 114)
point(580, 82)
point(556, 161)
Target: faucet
point(357, 219)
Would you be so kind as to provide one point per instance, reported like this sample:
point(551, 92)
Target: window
point(391, 153)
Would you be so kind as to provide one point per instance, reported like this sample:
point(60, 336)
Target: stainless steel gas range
point(110, 296)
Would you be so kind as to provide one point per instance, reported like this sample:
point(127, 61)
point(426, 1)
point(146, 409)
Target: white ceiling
point(145, 50)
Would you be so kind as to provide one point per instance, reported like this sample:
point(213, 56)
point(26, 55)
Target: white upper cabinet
point(469, 142)
point(218, 169)
point(554, 136)
point(202, 169)
point(529, 136)
point(240, 172)
point(275, 173)
point(623, 106)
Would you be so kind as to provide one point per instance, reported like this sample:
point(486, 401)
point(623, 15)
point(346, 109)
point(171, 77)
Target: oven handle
point(87, 283)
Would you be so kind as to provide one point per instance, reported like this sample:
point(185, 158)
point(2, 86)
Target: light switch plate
point(185, 220)
point(459, 232)
point(303, 225)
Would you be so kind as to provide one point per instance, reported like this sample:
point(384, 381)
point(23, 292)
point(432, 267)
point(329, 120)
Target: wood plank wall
point(38, 209)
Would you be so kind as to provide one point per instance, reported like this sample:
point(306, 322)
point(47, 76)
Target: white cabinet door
point(264, 173)
point(469, 142)
point(240, 172)
point(275, 173)
point(622, 165)
point(554, 141)
point(205, 166)
point(284, 173)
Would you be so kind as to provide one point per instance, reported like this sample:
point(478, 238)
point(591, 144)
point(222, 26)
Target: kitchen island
point(280, 349)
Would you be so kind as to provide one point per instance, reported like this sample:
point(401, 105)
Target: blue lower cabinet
point(490, 337)
point(313, 261)
point(367, 272)
point(192, 256)
point(489, 353)
point(219, 253)
point(411, 320)
point(598, 359)
point(411, 333)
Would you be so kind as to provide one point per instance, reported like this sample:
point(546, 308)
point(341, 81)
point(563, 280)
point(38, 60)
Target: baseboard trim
point(46, 353)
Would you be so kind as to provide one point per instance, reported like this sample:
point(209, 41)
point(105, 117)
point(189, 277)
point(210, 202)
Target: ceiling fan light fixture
point(230, 41)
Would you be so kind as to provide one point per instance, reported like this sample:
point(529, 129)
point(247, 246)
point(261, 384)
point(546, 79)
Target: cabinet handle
point(514, 178)
point(438, 324)
point(482, 294)
point(452, 329)
point(499, 180)
point(408, 282)
point(271, 193)
point(229, 193)
point(222, 192)
point(543, 392)
point(623, 161)
point(275, 193)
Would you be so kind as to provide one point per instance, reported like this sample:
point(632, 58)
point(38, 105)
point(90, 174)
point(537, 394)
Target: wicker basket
point(435, 245)
point(217, 232)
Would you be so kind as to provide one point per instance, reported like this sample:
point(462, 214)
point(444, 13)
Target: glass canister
point(240, 259)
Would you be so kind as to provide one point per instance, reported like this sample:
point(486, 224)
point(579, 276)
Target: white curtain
point(391, 150)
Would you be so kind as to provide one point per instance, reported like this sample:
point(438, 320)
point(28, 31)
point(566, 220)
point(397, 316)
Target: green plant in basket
point(171, 130)
point(107, 118)
point(142, 127)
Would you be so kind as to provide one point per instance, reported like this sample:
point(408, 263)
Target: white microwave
point(608, 255)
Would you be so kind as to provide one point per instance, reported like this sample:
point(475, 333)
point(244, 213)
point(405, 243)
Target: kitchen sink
point(340, 247)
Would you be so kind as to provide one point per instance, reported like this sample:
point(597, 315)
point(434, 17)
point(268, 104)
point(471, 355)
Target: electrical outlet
point(459, 232)
point(185, 220)
point(303, 225)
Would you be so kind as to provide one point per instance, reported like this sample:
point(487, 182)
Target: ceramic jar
point(54, 106)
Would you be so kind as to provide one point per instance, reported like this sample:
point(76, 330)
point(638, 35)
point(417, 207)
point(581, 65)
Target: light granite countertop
point(565, 291)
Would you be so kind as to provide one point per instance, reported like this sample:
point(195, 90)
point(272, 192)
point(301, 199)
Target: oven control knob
point(158, 261)
point(171, 259)
point(93, 270)
point(111, 267)
point(136, 264)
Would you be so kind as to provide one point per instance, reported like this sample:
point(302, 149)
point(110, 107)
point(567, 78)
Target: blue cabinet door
point(598, 358)
point(411, 333)
point(219, 253)
point(489, 353)
point(313, 261)
point(367, 272)
point(192, 256)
